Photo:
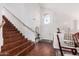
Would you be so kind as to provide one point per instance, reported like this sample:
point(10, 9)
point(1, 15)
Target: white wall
point(46, 30)
point(58, 20)
point(32, 14)
point(1, 37)
point(0, 29)
point(29, 14)
point(0, 10)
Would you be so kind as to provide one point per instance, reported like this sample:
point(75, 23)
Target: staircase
point(14, 43)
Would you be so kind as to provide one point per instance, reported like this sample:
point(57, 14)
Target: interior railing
point(22, 27)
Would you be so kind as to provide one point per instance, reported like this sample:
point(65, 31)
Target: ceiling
point(71, 9)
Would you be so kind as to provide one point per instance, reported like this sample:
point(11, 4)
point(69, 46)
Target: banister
point(20, 21)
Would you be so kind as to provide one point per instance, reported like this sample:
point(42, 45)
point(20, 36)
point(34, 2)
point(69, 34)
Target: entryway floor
point(42, 49)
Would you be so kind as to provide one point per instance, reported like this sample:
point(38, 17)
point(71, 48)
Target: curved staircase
point(15, 44)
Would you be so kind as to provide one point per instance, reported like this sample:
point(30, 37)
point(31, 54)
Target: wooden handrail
point(21, 21)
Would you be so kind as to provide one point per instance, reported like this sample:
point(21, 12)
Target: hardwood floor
point(42, 49)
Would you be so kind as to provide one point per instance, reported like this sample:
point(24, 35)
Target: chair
point(76, 39)
point(68, 49)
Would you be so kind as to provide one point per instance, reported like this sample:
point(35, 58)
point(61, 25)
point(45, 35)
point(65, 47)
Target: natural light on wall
point(78, 25)
point(47, 19)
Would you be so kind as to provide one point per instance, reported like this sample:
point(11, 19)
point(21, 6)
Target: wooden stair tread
point(13, 42)
point(16, 47)
point(10, 40)
point(11, 35)
point(15, 38)
point(24, 50)
point(3, 54)
point(10, 46)
point(11, 31)
point(14, 33)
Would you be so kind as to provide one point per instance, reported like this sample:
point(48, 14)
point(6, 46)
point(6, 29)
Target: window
point(46, 19)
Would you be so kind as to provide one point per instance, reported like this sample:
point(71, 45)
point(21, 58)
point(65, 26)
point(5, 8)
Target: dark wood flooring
point(42, 49)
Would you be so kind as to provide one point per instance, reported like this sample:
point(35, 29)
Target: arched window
point(47, 19)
